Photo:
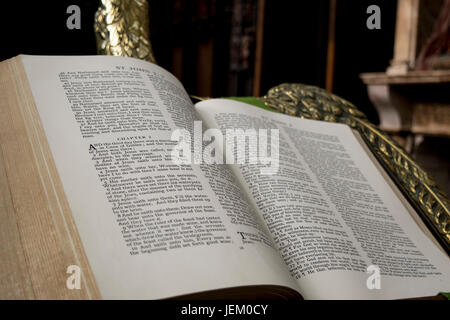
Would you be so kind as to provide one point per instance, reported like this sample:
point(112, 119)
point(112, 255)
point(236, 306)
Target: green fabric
point(253, 101)
point(445, 294)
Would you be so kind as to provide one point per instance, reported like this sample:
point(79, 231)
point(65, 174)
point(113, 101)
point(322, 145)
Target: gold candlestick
point(122, 29)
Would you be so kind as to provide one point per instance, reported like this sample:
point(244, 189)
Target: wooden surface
point(431, 119)
point(257, 74)
point(331, 47)
point(414, 102)
point(412, 77)
point(38, 236)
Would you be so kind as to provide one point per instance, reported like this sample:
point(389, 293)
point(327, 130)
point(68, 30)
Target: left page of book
point(150, 228)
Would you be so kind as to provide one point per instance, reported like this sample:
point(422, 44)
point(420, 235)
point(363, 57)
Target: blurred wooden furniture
point(416, 101)
point(410, 96)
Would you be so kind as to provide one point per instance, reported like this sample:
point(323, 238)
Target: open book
point(88, 180)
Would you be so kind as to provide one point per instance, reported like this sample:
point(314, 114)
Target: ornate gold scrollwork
point(122, 29)
point(315, 103)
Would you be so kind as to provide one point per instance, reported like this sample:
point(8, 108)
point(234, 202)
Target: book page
point(332, 215)
point(420, 223)
point(151, 228)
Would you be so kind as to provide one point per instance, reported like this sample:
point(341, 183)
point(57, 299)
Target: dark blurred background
point(210, 45)
point(245, 47)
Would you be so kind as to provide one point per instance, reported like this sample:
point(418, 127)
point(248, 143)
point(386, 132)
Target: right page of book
point(339, 225)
